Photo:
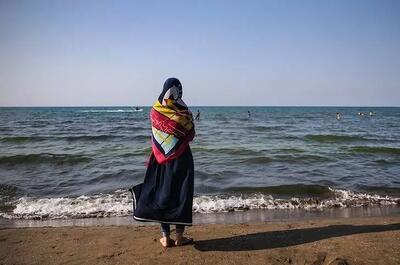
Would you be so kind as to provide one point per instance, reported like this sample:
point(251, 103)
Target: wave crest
point(331, 138)
point(342, 198)
point(119, 203)
point(43, 158)
point(376, 150)
point(22, 139)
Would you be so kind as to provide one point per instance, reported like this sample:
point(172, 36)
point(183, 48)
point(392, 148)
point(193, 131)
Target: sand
point(373, 240)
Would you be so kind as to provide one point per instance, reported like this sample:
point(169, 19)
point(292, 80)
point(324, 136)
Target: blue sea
point(78, 162)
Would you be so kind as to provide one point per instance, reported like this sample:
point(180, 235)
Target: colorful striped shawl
point(172, 130)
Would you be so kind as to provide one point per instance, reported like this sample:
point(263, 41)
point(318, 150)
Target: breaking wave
point(119, 203)
point(340, 199)
point(112, 110)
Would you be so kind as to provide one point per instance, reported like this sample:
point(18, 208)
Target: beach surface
point(372, 240)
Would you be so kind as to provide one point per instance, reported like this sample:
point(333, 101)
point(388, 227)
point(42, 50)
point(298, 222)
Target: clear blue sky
point(224, 52)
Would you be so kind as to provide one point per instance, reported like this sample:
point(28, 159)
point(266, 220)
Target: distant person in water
point(197, 115)
point(371, 114)
point(338, 115)
point(249, 114)
point(166, 196)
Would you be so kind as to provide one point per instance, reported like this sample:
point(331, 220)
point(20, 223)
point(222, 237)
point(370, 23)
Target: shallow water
point(78, 162)
point(236, 217)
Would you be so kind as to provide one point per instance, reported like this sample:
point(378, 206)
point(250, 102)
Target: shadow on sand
point(286, 238)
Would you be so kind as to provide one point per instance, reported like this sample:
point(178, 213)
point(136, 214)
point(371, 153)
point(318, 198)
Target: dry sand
point(329, 241)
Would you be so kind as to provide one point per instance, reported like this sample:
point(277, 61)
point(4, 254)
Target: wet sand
point(372, 240)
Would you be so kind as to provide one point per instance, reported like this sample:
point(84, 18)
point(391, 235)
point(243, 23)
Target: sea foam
point(119, 203)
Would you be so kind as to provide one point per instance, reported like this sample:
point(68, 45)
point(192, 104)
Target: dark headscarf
point(172, 90)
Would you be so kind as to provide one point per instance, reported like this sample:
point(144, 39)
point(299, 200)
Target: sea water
point(79, 162)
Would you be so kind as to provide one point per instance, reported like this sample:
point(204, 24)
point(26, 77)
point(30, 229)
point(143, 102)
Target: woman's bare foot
point(181, 240)
point(166, 242)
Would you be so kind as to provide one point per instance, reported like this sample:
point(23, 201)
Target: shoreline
point(235, 217)
point(323, 241)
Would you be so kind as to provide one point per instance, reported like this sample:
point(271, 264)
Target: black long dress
point(166, 196)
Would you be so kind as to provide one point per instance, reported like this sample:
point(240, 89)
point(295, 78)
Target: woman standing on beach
point(166, 196)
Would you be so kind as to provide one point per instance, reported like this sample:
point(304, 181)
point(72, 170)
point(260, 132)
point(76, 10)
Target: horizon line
point(197, 106)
